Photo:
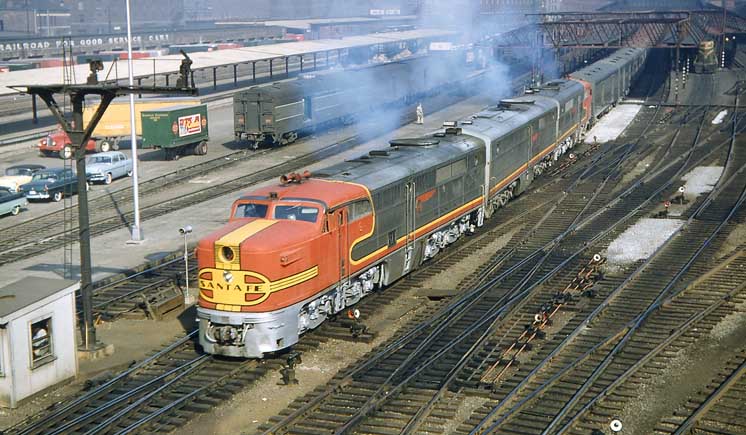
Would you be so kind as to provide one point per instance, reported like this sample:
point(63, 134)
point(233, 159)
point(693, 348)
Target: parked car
point(17, 175)
point(11, 202)
point(52, 183)
point(60, 144)
point(108, 166)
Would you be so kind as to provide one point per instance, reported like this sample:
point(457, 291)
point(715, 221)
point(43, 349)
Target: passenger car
point(11, 202)
point(52, 183)
point(108, 166)
point(17, 175)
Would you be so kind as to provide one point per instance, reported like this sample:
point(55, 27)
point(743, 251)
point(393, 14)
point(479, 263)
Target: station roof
point(23, 293)
point(205, 60)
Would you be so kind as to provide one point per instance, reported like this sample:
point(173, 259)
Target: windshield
point(44, 176)
point(296, 212)
point(251, 210)
point(99, 159)
point(18, 172)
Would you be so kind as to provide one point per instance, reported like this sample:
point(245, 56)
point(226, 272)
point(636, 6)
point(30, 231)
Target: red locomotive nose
point(274, 263)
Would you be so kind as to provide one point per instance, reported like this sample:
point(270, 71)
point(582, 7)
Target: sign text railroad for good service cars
point(82, 42)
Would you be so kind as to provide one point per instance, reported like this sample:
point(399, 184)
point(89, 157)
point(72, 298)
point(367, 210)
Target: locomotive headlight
point(227, 253)
point(227, 276)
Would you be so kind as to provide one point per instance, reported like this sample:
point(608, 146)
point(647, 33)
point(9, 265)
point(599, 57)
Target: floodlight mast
point(79, 137)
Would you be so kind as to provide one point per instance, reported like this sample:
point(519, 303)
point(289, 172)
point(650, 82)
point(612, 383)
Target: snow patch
point(701, 180)
point(640, 240)
point(613, 123)
point(719, 118)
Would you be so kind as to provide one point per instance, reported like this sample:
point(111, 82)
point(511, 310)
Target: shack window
point(541, 124)
point(251, 210)
point(360, 209)
point(41, 342)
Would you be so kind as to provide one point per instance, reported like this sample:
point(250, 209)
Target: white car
point(17, 175)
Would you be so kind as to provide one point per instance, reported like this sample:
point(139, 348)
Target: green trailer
point(178, 130)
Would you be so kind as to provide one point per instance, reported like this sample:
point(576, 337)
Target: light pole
point(136, 229)
point(185, 231)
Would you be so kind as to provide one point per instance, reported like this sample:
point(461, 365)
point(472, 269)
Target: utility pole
point(79, 136)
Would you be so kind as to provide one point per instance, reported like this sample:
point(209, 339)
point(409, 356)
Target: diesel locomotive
point(280, 113)
point(296, 253)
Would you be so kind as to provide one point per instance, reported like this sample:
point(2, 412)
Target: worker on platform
point(420, 114)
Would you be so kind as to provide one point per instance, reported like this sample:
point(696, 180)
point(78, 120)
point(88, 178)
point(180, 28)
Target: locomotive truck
point(296, 253)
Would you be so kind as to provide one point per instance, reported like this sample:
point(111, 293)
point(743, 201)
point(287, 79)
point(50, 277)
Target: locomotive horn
point(306, 174)
point(296, 177)
point(284, 179)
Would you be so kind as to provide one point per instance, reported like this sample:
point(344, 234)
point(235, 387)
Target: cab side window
point(360, 209)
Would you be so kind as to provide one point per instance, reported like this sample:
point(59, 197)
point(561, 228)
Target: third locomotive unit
point(296, 253)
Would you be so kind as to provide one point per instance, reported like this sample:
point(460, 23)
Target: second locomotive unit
point(296, 253)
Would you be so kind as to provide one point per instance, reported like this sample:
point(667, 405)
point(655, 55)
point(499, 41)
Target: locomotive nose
point(255, 265)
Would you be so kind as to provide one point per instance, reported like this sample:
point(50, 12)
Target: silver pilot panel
point(37, 337)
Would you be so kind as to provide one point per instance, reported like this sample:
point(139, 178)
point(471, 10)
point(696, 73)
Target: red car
point(59, 143)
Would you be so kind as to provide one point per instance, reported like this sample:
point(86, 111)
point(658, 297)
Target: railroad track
point(134, 401)
point(716, 410)
point(597, 349)
point(369, 408)
point(114, 211)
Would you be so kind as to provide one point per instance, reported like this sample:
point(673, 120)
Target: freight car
point(279, 114)
point(296, 253)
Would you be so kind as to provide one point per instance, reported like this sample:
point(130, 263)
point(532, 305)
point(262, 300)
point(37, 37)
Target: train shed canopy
point(169, 65)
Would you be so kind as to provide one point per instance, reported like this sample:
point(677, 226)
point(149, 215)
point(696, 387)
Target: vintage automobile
point(17, 175)
point(52, 183)
point(59, 143)
point(106, 167)
point(11, 202)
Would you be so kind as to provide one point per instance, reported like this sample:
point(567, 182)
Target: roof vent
point(379, 153)
point(509, 103)
point(417, 142)
point(448, 124)
point(467, 122)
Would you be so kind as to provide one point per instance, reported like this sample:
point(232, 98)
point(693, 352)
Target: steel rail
point(664, 292)
point(194, 365)
point(78, 421)
point(70, 406)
